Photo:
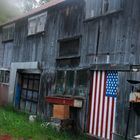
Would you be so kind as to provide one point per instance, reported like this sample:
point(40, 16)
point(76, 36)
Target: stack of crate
point(61, 117)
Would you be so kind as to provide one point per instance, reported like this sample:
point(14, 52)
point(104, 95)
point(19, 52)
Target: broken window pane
point(27, 106)
point(1, 76)
point(69, 82)
point(82, 82)
point(23, 93)
point(60, 82)
point(34, 108)
point(35, 96)
point(29, 94)
point(25, 83)
point(7, 75)
point(37, 77)
point(30, 84)
point(36, 85)
point(4, 76)
point(22, 104)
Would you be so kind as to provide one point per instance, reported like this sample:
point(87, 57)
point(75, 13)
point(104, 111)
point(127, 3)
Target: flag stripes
point(102, 105)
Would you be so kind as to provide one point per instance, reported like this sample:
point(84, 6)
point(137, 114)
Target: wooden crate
point(61, 112)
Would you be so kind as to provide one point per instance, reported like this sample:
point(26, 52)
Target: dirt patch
point(5, 137)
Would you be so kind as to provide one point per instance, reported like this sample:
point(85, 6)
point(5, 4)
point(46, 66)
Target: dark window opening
point(69, 48)
point(69, 53)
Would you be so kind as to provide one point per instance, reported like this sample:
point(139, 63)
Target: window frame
point(3, 79)
point(9, 34)
point(90, 13)
point(37, 20)
point(69, 39)
point(70, 57)
point(25, 91)
point(73, 94)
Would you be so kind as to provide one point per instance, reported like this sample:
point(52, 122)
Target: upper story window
point(36, 24)
point(8, 32)
point(69, 53)
point(95, 8)
point(69, 48)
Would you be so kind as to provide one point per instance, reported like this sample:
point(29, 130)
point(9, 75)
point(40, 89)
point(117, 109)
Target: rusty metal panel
point(3, 94)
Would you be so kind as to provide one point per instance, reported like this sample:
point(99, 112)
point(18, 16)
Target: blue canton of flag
point(111, 83)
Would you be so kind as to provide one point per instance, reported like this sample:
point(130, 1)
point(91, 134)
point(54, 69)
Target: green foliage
point(43, 1)
point(8, 10)
point(16, 124)
point(28, 5)
point(12, 8)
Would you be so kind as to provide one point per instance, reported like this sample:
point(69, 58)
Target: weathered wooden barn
point(75, 52)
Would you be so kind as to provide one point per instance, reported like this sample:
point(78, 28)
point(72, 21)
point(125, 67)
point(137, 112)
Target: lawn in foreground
point(16, 124)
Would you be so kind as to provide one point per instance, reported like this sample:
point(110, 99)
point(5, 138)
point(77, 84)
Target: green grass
point(16, 124)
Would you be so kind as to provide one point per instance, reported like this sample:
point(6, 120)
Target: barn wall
point(1, 50)
point(109, 35)
point(114, 38)
point(122, 107)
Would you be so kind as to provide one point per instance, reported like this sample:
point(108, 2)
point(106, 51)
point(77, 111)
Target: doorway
point(29, 92)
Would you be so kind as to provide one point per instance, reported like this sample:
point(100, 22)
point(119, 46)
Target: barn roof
point(35, 11)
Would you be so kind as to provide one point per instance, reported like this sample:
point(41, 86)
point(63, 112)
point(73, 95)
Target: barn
point(79, 56)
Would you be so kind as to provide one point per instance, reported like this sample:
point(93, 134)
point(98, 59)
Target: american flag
point(103, 103)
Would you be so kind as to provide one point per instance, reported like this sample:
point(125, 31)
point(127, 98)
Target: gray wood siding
point(96, 8)
point(104, 39)
point(1, 50)
point(122, 107)
point(7, 58)
point(118, 37)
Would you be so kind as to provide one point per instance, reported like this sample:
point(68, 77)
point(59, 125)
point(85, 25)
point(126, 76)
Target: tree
point(27, 5)
point(43, 1)
point(8, 10)
point(11, 8)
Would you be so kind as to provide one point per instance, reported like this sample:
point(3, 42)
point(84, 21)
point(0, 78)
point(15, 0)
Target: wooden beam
point(65, 101)
point(118, 67)
point(113, 13)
